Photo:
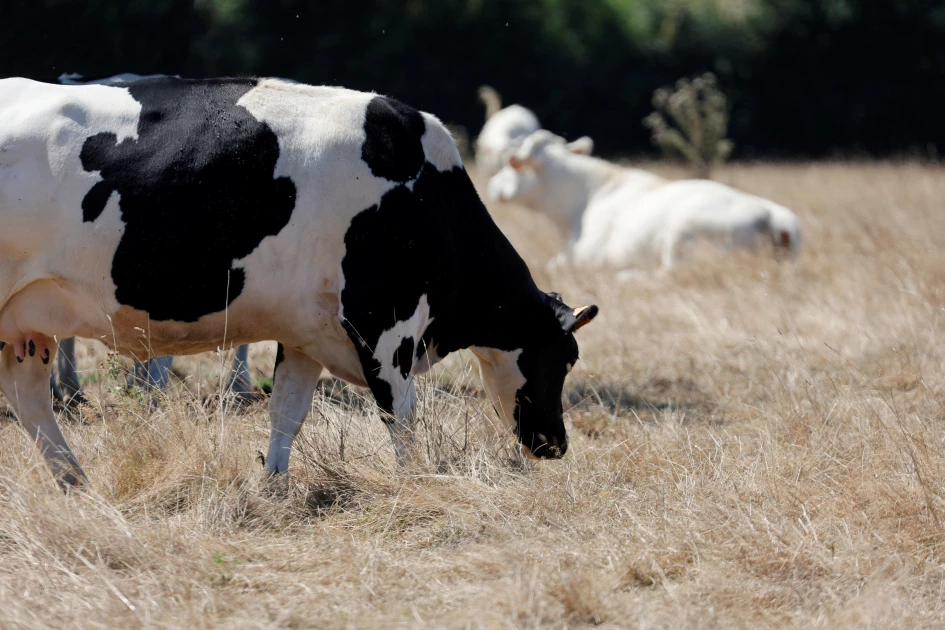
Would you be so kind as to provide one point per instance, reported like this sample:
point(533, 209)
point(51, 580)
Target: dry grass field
point(754, 445)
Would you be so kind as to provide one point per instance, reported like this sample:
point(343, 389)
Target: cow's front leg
point(294, 380)
point(388, 367)
point(240, 382)
point(402, 423)
point(396, 394)
point(25, 368)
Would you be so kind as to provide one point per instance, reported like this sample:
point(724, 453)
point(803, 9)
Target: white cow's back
point(608, 210)
point(680, 211)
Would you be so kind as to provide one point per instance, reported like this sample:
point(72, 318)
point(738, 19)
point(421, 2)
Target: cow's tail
point(785, 230)
point(491, 99)
point(72, 78)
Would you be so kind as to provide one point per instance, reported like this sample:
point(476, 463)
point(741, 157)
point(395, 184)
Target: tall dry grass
point(753, 445)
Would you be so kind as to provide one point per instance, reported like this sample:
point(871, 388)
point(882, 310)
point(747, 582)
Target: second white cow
point(505, 128)
point(625, 218)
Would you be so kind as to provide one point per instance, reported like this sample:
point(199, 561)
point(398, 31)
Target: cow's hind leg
point(153, 374)
point(68, 374)
point(55, 389)
point(25, 368)
point(240, 382)
point(294, 381)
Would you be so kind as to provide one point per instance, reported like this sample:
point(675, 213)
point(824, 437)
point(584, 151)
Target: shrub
point(699, 111)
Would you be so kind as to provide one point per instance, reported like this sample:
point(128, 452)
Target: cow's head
point(539, 153)
point(525, 385)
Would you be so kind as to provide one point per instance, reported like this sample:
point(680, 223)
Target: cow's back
point(613, 229)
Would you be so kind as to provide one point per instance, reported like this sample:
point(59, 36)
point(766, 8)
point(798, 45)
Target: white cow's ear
point(525, 158)
point(582, 146)
point(519, 163)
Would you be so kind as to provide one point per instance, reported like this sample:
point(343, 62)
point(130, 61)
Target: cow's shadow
point(344, 394)
point(340, 392)
point(650, 398)
point(330, 492)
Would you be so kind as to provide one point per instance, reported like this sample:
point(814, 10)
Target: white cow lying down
point(622, 217)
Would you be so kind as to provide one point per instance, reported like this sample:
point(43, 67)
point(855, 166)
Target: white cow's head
point(538, 156)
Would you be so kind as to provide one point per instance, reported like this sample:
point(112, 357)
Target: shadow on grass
point(331, 494)
point(342, 392)
point(651, 396)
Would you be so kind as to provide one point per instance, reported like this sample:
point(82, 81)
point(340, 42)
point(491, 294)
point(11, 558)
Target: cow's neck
point(500, 312)
point(492, 298)
point(571, 186)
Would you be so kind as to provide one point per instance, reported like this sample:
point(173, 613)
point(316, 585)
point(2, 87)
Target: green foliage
point(658, 24)
point(699, 111)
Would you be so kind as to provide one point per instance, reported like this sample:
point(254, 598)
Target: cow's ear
point(571, 318)
point(583, 316)
point(518, 163)
point(582, 146)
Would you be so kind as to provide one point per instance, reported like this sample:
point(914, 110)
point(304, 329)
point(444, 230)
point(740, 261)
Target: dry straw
point(753, 445)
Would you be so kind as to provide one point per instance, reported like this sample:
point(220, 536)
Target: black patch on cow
point(403, 357)
point(421, 350)
point(2, 345)
point(94, 202)
point(392, 148)
point(197, 192)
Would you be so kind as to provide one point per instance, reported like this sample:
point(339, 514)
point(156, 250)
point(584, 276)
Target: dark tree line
point(805, 77)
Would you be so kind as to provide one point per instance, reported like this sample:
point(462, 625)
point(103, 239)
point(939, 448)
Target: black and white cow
point(338, 223)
